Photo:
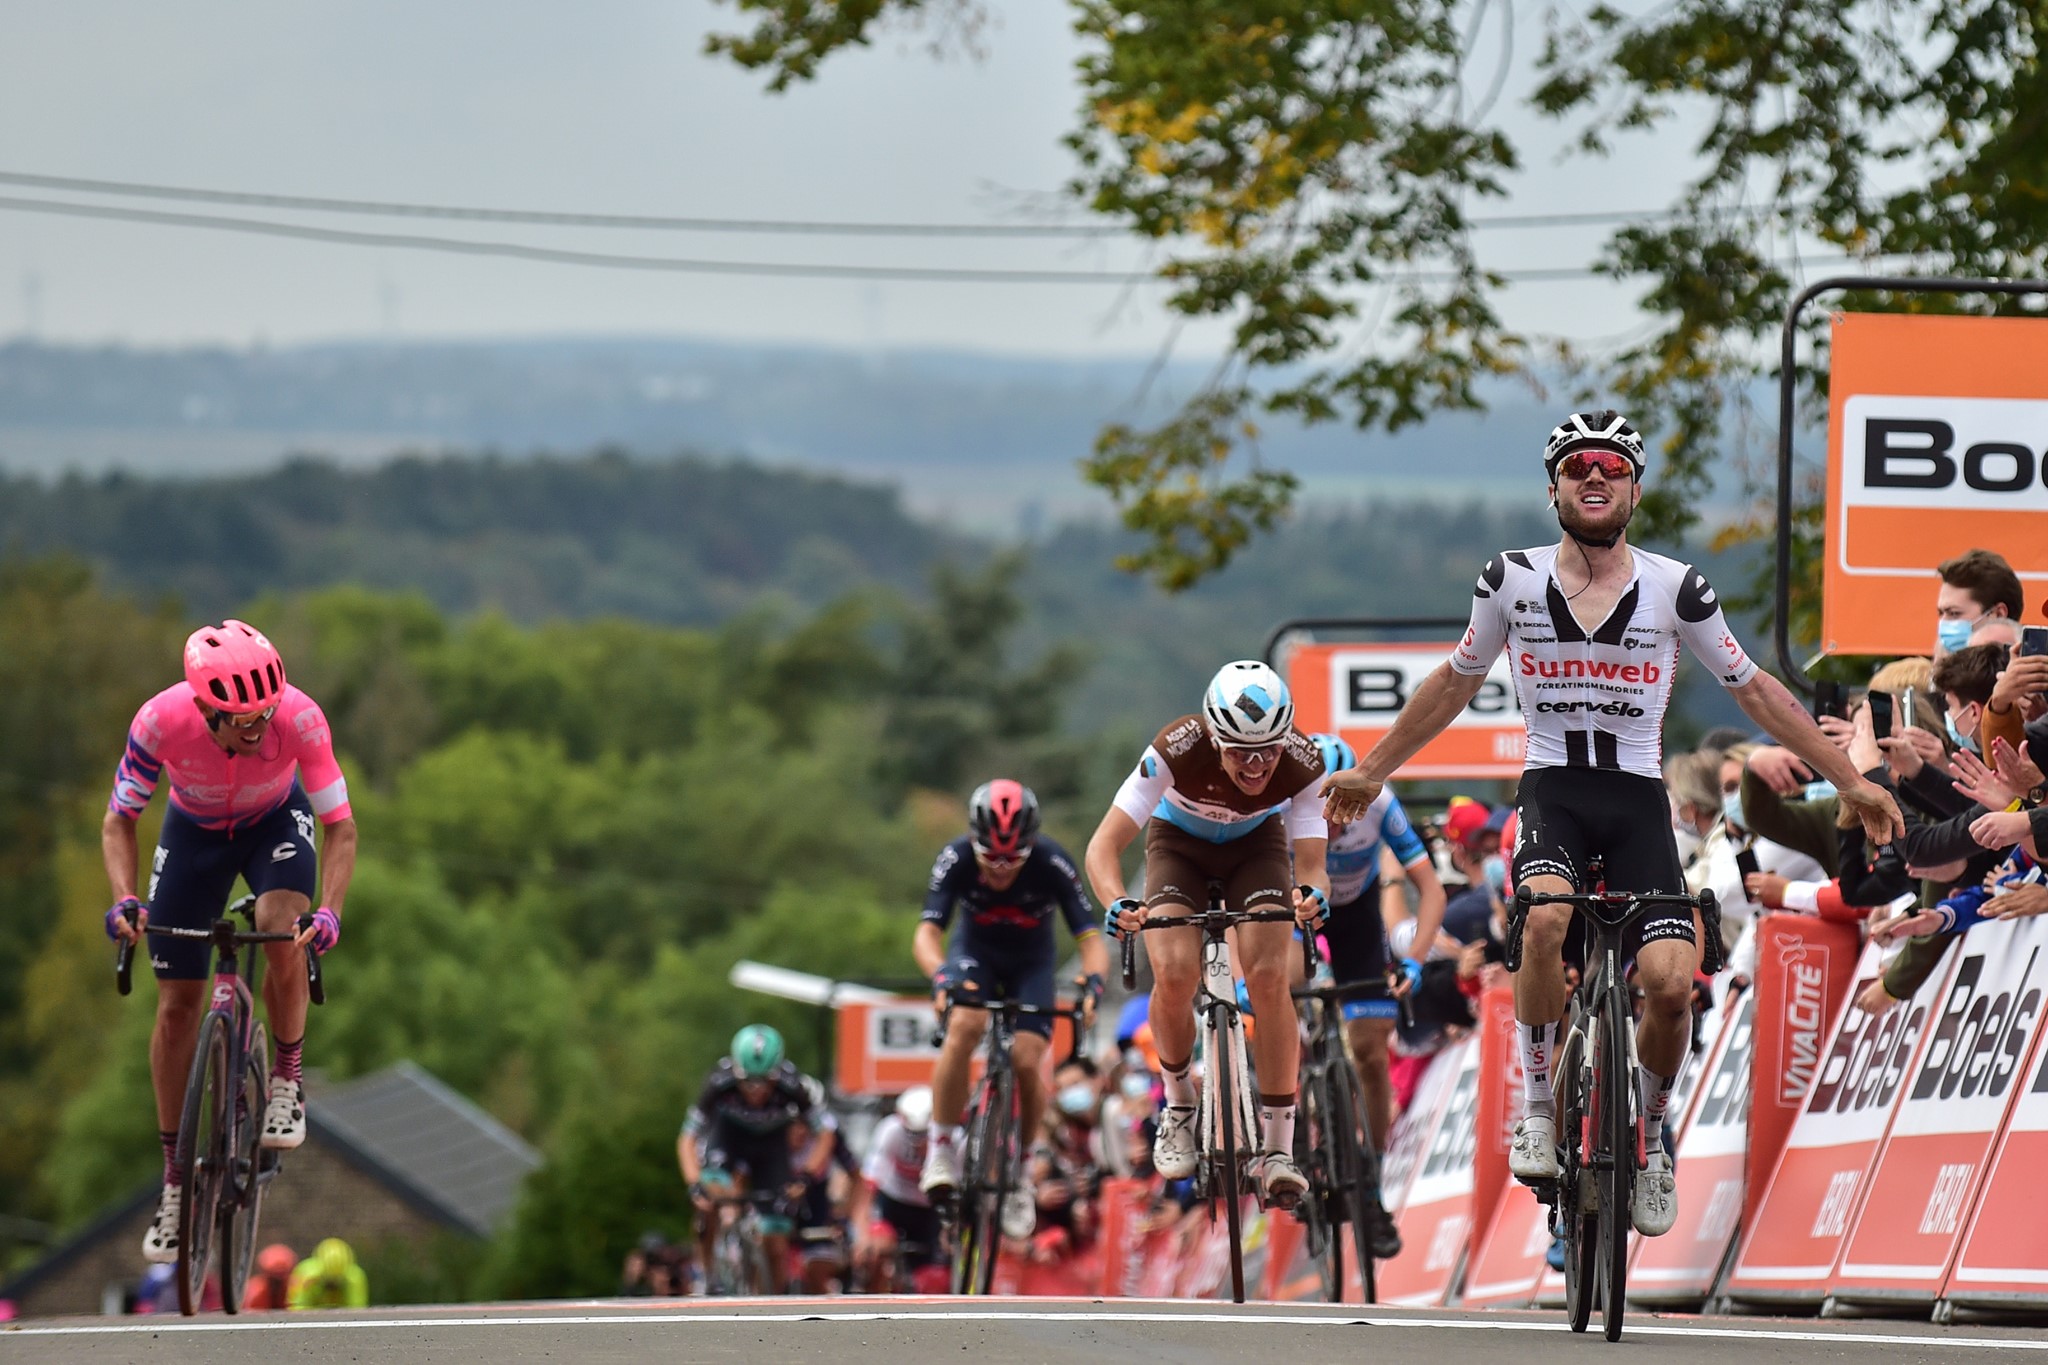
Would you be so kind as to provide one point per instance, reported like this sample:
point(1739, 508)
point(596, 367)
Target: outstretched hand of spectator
point(1780, 769)
point(1978, 782)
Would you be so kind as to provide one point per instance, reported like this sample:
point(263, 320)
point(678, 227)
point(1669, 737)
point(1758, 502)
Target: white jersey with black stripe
point(1595, 697)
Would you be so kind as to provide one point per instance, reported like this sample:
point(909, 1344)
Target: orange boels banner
point(1357, 691)
point(1937, 444)
point(885, 1046)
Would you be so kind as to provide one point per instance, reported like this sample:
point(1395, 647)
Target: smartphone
point(1827, 699)
point(1745, 862)
point(1906, 710)
point(1881, 714)
point(2033, 640)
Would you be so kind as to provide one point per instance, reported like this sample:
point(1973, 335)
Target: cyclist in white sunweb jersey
point(1593, 627)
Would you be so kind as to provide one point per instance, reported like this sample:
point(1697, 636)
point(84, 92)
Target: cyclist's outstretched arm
point(1104, 860)
point(1772, 706)
point(1436, 703)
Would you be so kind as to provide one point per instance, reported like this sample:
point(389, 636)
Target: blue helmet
point(1337, 755)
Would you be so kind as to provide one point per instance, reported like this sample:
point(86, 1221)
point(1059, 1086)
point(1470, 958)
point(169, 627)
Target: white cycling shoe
point(1655, 1207)
point(941, 1170)
point(1281, 1182)
point(160, 1243)
point(1020, 1211)
point(284, 1118)
point(1173, 1149)
point(1534, 1154)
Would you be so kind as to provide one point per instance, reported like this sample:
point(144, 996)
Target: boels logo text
point(1868, 1062)
point(1981, 1039)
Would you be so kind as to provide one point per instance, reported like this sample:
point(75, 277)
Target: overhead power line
point(661, 223)
point(683, 264)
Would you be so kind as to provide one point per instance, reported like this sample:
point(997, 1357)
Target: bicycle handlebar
point(124, 955)
point(1215, 921)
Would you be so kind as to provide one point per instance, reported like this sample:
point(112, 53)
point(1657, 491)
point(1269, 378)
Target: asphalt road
point(990, 1331)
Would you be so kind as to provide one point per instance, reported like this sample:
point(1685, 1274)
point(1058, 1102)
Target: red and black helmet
point(1003, 818)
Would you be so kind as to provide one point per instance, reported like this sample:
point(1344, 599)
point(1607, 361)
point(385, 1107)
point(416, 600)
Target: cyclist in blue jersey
point(1357, 935)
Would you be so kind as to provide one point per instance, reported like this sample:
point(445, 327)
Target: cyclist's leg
point(966, 1025)
point(1642, 856)
point(1176, 884)
point(278, 861)
point(1030, 982)
point(190, 877)
point(1550, 849)
point(1263, 880)
point(1358, 952)
point(715, 1175)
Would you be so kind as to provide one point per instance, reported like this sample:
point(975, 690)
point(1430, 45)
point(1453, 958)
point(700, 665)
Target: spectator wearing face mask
point(1472, 835)
point(1715, 865)
point(1975, 587)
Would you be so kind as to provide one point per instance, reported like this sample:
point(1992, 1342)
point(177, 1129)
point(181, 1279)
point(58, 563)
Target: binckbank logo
point(1966, 454)
point(1805, 968)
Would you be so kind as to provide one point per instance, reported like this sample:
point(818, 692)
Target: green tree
point(1297, 158)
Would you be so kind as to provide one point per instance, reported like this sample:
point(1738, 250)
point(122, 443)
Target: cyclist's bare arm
point(1104, 860)
point(1429, 906)
point(1094, 955)
point(1436, 703)
point(1311, 867)
point(337, 861)
point(928, 946)
point(687, 1157)
point(1772, 706)
point(117, 850)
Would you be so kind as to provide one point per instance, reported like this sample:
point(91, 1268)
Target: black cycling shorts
point(984, 974)
point(1567, 817)
point(1357, 937)
point(195, 870)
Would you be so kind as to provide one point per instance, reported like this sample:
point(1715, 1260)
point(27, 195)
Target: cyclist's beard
point(1602, 533)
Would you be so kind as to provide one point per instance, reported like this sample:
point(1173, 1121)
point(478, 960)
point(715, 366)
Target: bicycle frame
point(1599, 1129)
point(1329, 1081)
point(1225, 1119)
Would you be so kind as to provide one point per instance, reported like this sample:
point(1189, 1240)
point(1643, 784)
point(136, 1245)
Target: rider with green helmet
point(737, 1135)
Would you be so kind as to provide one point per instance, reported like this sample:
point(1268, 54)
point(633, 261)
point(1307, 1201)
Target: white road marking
point(1168, 1312)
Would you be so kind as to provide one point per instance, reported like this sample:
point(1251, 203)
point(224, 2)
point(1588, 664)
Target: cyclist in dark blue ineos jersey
point(1007, 883)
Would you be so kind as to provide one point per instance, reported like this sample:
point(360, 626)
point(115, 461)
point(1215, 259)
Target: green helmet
point(756, 1051)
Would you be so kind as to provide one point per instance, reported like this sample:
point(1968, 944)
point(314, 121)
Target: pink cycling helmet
point(233, 668)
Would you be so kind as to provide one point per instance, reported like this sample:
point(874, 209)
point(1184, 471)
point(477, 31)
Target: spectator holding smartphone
point(2017, 710)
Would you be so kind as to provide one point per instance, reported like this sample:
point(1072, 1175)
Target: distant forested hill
point(682, 541)
point(696, 542)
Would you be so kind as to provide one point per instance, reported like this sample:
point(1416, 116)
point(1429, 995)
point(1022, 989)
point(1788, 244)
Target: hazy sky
point(603, 106)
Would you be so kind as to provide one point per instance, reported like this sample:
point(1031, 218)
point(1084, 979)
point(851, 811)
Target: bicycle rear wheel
point(1617, 1086)
point(1225, 1102)
point(203, 1157)
point(1315, 1147)
point(1357, 1169)
point(1580, 1225)
point(245, 1189)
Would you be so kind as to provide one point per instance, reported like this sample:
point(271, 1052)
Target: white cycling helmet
point(1602, 430)
point(914, 1108)
point(1247, 705)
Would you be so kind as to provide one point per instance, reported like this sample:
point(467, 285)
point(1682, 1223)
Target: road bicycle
point(222, 1167)
point(996, 1144)
point(1599, 1132)
point(740, 1265)
point(1226, 1125)
point(1334, 1145)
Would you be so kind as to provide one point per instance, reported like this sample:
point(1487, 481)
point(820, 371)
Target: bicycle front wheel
point(245, 1190)
point(1224, 1103)
point(1576, 1218)
point(203, 1157)
point(981, 1190)
point(1617, 1194)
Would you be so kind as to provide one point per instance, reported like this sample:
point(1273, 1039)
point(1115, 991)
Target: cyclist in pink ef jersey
point(251, 767)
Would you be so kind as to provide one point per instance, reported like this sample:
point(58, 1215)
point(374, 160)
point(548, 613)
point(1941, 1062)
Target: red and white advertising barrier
point(1435, 1215)
point(1810, 1204)
point(1680, 1266)
point(1803, 969)
point(2004, 1258)
point(1512, 1230)
point(1928, 1175)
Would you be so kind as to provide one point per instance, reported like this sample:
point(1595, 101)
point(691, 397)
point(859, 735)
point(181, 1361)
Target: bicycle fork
point(1221, 1028)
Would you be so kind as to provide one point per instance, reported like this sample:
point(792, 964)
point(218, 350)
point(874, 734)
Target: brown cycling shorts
point(1256, 870)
